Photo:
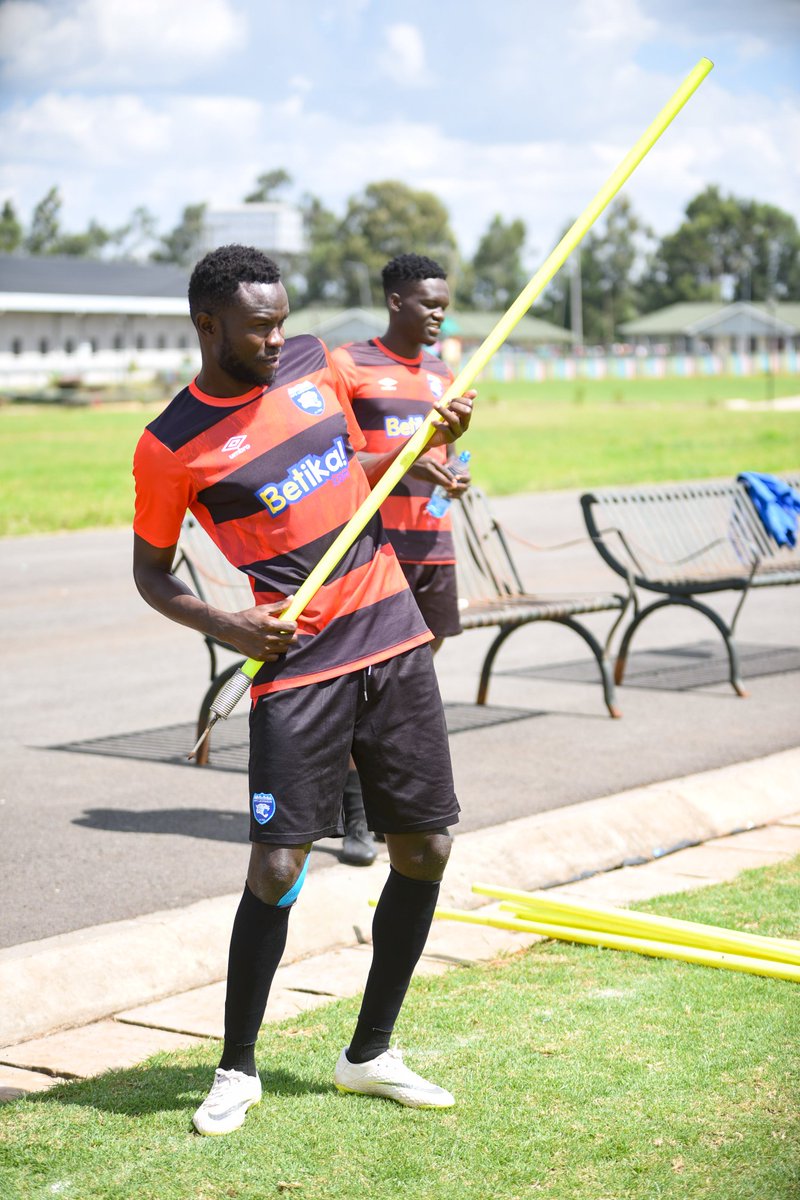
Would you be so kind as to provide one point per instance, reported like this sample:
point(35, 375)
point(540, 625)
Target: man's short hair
point(216, 277)
point(409, 268)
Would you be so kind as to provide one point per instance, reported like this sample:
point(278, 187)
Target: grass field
point(69, 468)
point(580, 1074)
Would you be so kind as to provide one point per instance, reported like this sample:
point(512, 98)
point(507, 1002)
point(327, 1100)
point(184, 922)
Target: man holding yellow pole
point(261, 447)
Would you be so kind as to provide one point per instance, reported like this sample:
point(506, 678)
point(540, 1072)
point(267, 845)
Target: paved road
point(88, 839)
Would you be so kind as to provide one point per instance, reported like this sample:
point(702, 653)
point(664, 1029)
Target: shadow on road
point(211, 824)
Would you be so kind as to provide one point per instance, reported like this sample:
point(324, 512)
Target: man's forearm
point(376, 465)
point(172, 598)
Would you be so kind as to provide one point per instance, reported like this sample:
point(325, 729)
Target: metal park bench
point(685, 540)
point(491, 593)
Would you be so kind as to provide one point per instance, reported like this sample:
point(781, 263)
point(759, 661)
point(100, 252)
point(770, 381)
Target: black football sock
point(399, 931)
point(258, 940)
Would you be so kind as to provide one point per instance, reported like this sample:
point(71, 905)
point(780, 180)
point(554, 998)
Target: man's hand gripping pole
point(237, 685)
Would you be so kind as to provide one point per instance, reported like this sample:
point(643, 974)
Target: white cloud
point(403, 56)
point(619, 23)
point(526, 141)
point(116, 42)
point(111, 153)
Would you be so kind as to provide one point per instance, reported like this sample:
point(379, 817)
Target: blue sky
point(514, 107)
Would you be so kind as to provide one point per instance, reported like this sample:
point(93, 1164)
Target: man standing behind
point(391, 383)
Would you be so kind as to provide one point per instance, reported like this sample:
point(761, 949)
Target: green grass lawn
point(69, 468)
point(580, 1074)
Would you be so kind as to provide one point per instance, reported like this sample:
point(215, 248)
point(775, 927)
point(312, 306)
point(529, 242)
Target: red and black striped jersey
point(273, 476)
point(391, 396)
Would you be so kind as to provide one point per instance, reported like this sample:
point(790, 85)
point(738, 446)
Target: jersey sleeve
point(344, 379)
point(164, 490)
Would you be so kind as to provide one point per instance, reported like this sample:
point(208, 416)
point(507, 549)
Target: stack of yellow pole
point(571, 920)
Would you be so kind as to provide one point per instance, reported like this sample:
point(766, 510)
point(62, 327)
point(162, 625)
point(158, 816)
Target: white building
point(64, 318)
point(274, 227)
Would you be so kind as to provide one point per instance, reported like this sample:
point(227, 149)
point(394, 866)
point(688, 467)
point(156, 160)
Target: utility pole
point(576, 298)
point(772, 295)
point(361, 272)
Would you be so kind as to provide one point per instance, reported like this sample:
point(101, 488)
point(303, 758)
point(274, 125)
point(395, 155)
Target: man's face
point(250, 334)
point(418, 309)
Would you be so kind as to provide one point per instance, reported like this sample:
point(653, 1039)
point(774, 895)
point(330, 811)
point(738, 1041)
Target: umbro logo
point(236, 445)
point(387, 384)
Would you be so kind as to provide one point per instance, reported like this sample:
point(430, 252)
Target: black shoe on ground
point(358, 847)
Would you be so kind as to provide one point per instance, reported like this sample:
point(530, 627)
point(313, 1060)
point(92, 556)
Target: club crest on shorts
point(307, 397)
point(263, 807)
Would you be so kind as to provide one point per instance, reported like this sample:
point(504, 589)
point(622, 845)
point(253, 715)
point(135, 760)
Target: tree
point(726, 245)
point(83, 245)
point(140, 231)
point(266, 184)
point(180, 246)
point(320, 268)
point(609, 258)
point(496, 275)
point(613, 258)
point(10, 229)
point(386, 219)
point(45, 226)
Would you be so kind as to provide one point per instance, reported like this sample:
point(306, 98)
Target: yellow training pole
point(573, 905)
point(654, 949)
point(568, 911)
point(726, 941)
point(238, 684)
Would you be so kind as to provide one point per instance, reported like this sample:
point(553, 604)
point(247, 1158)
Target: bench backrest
point(689, 537)
point(213, 578)
point(484, 566)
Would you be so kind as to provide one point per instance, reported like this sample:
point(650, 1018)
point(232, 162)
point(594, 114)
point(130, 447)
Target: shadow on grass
point(140, 1091)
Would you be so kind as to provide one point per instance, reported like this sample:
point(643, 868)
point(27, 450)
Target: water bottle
point(441, 499)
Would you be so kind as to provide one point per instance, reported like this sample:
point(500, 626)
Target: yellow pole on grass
point(565, 910)
point(238, 684)
point(611, 941)
point(725, 941)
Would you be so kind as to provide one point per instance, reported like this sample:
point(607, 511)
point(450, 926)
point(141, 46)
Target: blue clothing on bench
point(776, 503)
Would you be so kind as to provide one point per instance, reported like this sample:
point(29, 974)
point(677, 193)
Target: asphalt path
point(88, 838)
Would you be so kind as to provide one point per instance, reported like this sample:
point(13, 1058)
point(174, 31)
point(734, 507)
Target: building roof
point(68, 284)
point(691, 318)
point(470, 326)
point(67, 274)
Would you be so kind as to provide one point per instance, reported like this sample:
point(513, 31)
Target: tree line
point(726, 247)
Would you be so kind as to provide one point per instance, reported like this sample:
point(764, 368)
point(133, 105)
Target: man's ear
point(205, 324)
point(394, 301)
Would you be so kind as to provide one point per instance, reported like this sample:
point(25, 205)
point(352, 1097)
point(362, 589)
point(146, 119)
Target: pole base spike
point(211, 723)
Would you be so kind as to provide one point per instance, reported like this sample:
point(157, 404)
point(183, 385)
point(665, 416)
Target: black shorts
point(436, 594)
point(389, 716)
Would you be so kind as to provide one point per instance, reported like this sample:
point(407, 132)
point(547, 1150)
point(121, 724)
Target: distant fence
point(510, 366)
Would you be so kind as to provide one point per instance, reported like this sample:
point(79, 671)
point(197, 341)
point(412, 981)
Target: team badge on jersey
point(263, 807)
point(436, 386)
point(307, 397)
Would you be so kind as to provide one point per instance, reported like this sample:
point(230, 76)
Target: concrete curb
point(80, 977)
